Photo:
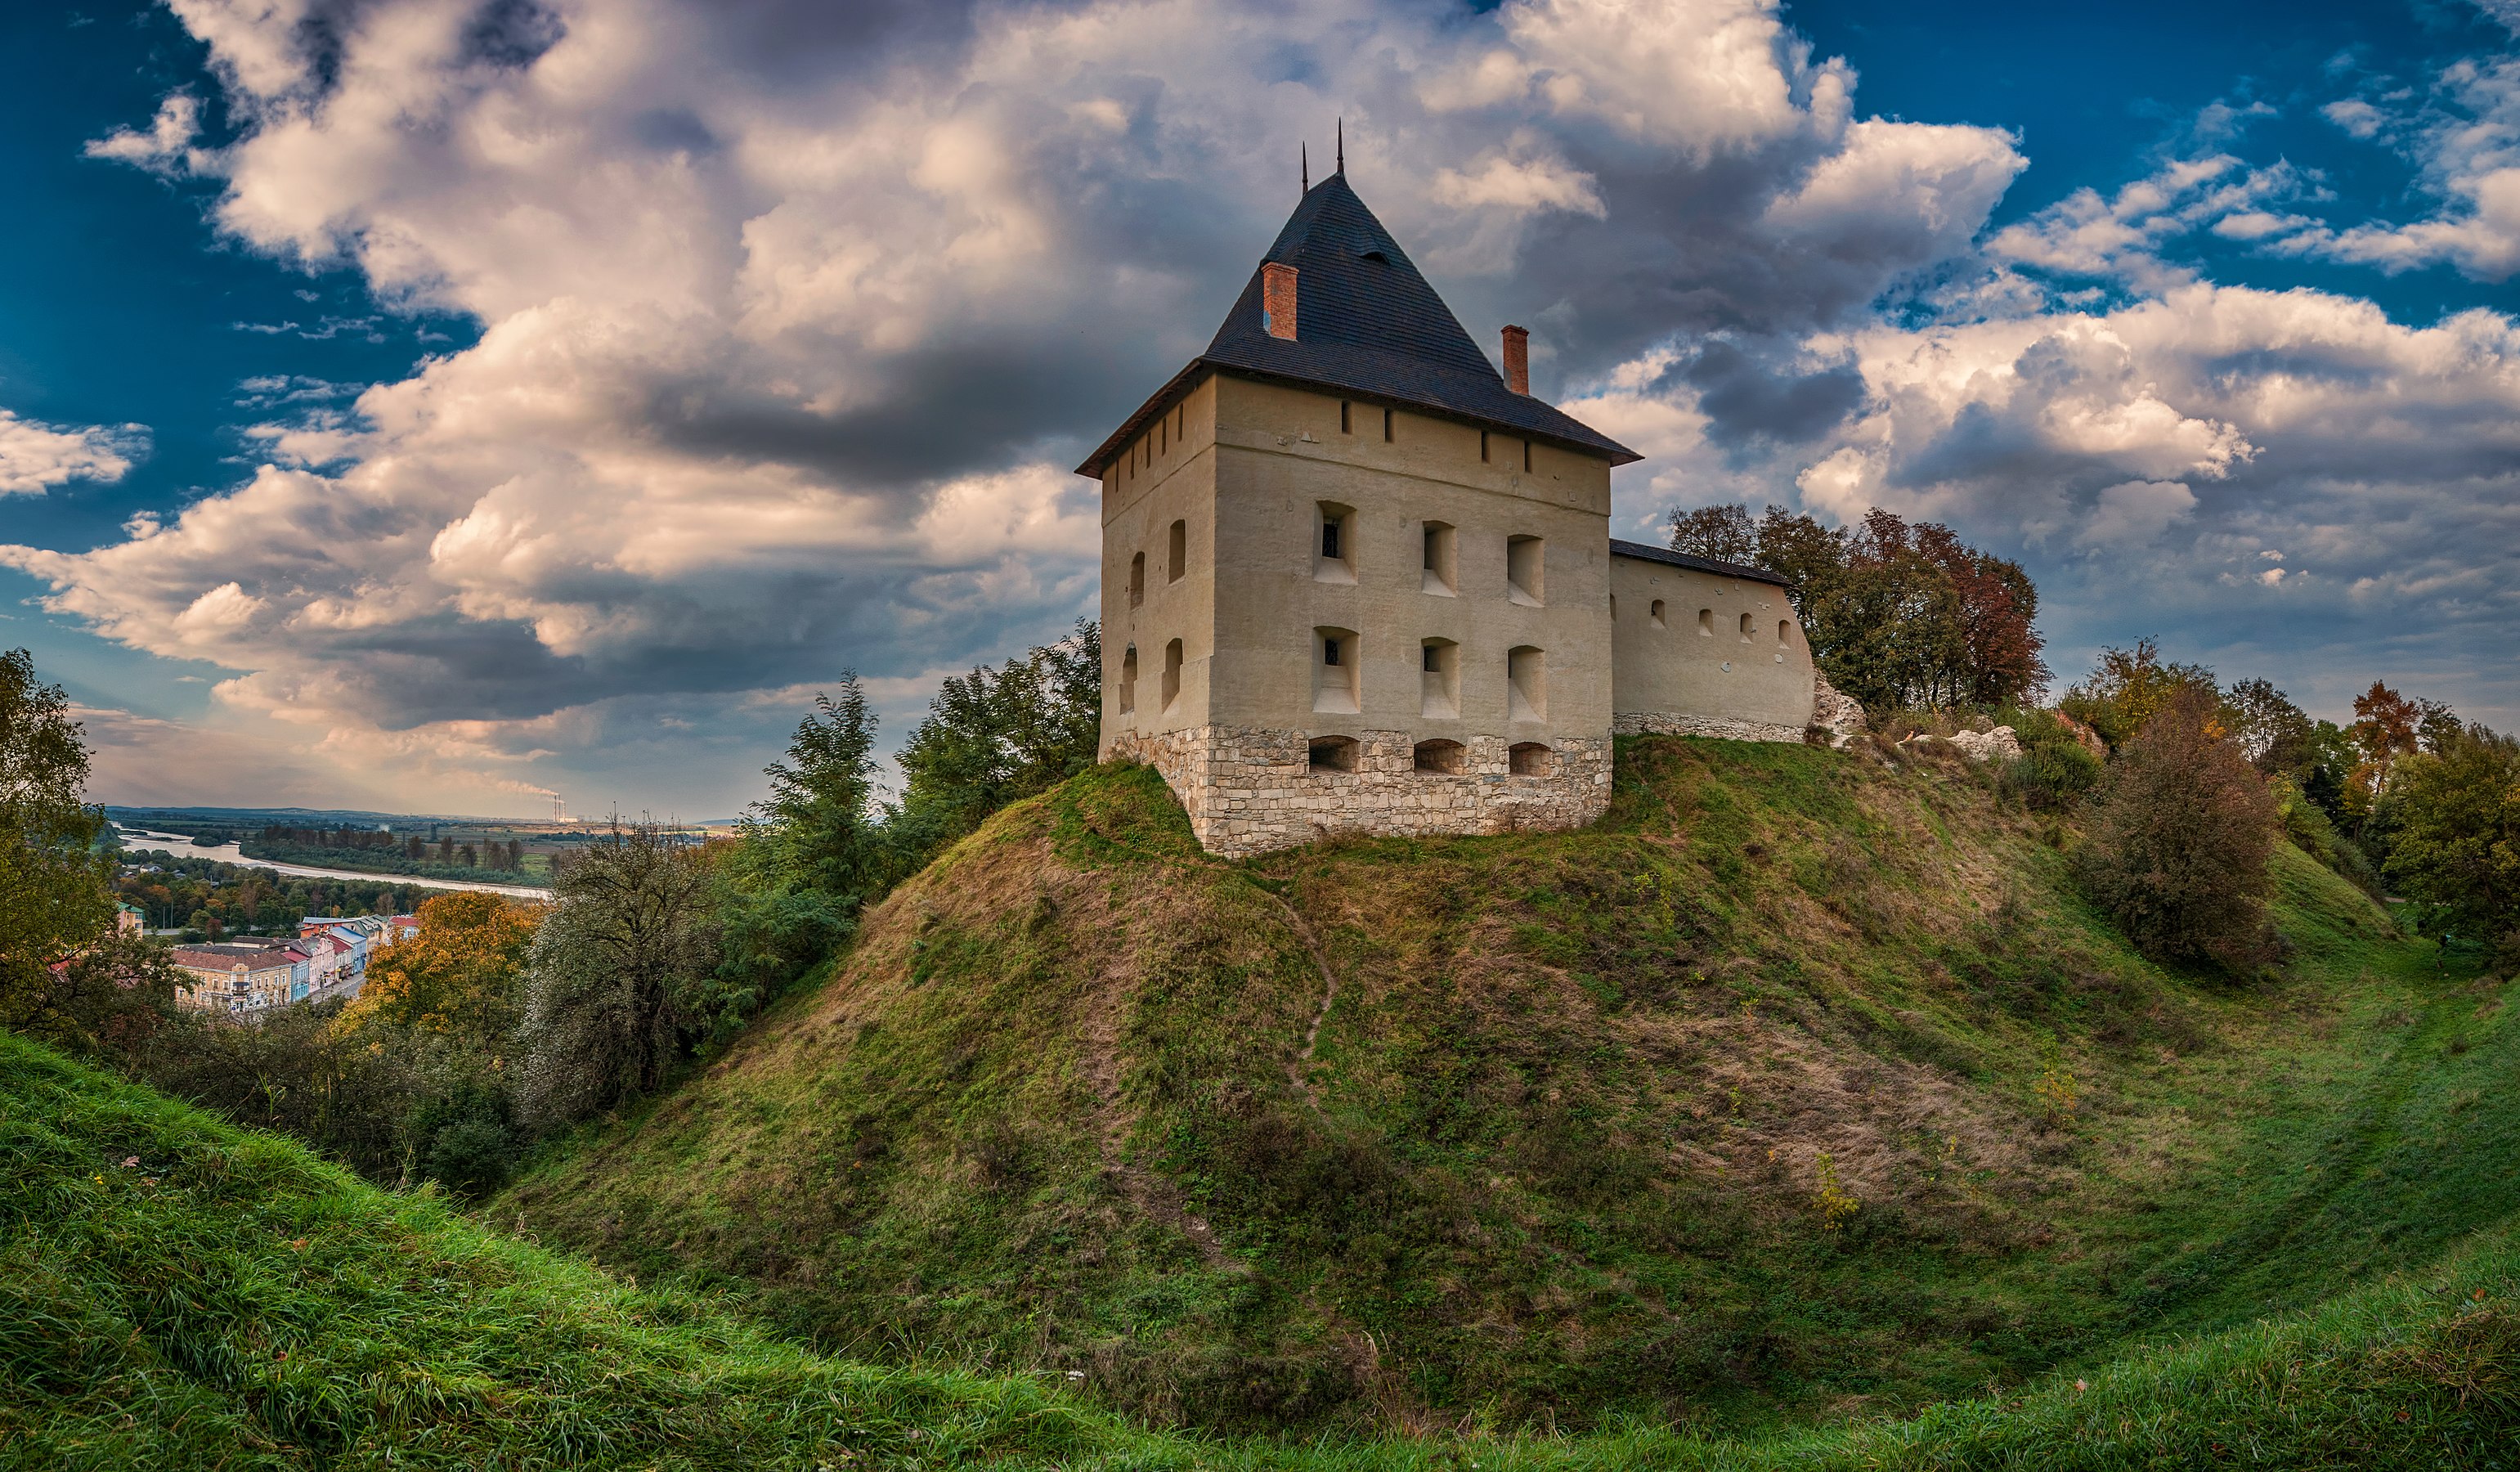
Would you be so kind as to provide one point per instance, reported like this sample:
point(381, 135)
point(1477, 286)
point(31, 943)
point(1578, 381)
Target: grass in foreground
point(177, 1293)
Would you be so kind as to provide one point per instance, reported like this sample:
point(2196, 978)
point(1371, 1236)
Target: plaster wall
point(1168, 476)
point(1692, 670)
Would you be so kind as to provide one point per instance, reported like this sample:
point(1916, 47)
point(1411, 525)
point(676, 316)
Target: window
point(1523, 560)
point(1526, 457)
point(1345, 428)
point(1179, 552)
point(1334, 542)
point(1528, 759)
point(1334, 753)
point(1483, 446)
point(1706, 622)
point(1657, 614)
point(1181, 420)
point(1526, 680)
point(1439, 544)
point(1439, 679)
point(1387, 425)
point(1745, 628)
point(1334, 671)
point(1129, 680)
point(1172, 672)
point(1445, 757)
point(1137, 579)
point(1784, 630)
point(1163, 436)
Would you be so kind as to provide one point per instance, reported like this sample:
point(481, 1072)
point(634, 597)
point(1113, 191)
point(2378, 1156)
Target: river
point(182, 847)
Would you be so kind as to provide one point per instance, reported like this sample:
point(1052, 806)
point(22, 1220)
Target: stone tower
point(1355, 579)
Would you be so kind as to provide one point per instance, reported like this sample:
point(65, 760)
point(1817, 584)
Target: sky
point(450, 405)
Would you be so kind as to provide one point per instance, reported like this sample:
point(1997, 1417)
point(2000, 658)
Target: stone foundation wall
point(1249, 790)
point(1677, 723)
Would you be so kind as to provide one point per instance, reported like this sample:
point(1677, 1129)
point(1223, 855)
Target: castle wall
point(1249, 790)
point(1691, 668)
point(1169, 476)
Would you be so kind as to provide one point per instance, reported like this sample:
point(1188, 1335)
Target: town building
point(235, 977)
point(1355, 578)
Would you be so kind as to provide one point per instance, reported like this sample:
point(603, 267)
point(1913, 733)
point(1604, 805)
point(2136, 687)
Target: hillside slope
point(177, 1293)
point(1796, 1089)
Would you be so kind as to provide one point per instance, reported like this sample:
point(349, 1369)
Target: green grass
point(1558, 1153)
point(178, 1293)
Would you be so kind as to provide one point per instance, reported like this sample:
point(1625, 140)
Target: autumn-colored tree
point(2179, 838)
point(1723, 533)
point(1998, 605)
point(2386, 725)
point(463, 973)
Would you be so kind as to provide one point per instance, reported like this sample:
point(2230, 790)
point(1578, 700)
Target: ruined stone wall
point(1249, 790)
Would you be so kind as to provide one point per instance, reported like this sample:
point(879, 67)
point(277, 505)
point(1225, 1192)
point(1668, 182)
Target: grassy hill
point(177, 1293)
point(1797, 1090)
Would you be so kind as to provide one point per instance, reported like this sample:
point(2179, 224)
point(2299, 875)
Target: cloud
point(2135, 513)
point(165, 148)
point(791, 320)
point(2468, 143)
point(34, 455)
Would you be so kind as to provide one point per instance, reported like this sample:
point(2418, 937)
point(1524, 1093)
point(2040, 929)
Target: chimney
point(1277, 298)
point(1517, 360)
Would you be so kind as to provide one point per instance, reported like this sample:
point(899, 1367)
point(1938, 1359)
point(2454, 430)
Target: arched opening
point(1526, 679)
point(1706, 622)
point(1180, 552)
point(1334, 542)
point(1448, 759)
point(1172, 672)
point(1745, 628)
point(1440, 560)
point(1334, 671)
point(1439, 679)
point(1784, 630)
point(1137, 579)
point(1524, 567)
point(1334, 753)
point(1129, 680)
point(1657, 614)
point(1528, 759)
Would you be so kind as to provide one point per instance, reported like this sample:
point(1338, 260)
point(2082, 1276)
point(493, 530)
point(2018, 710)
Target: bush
point(2180, 837)
point(2311, 830)
point(2454, 838)
point(2054, 769)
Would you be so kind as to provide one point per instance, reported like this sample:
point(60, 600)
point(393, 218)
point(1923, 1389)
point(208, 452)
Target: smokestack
point(1278, 300)
point(1517, 360)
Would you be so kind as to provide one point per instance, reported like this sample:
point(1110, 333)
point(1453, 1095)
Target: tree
point(2385, 726)
point(2454, 846)
point(1998, 606)
point(460, 974)
point(2128, 687)
point(618, 973)
point(2273, 733)
point(1722, 532)
point(2180, 837)
point(994, 737)
point(54, 888)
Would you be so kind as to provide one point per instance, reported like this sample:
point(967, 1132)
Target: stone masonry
point(1679, 723)
point(1250, 790)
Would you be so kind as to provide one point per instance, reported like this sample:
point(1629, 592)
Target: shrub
point(2054, 769)
point(2311, 830)
point(2180, 837)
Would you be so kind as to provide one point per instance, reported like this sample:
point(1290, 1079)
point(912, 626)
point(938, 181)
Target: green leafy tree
point(2180, 838)
point(2128, 688)
point(2454, 848)
point(994, 737)
point(2273, 733)
point(618, 974)
point(1725, 533)
point(55, 895)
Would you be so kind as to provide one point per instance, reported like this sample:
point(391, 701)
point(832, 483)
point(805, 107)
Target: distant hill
point(302, 817)
point(1797, 1088)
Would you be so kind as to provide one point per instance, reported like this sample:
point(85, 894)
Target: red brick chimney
point(1277, 298)
point(1517, 360)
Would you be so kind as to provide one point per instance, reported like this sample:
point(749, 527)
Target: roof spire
point(1342, 147)
point(1303, 154)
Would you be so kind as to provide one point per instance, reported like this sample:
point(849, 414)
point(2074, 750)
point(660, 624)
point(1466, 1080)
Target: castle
point(1354, 579)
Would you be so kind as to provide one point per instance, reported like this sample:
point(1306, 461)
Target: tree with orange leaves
point(2386, 725)
point(462, 973)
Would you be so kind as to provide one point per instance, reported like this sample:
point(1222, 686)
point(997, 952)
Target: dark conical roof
point(1366, 323)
